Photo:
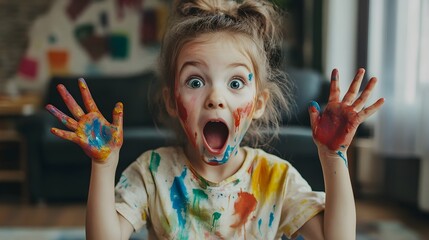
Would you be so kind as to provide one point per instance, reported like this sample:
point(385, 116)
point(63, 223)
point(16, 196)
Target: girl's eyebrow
point(231, 65)
point(239, 64)
point(192, 63)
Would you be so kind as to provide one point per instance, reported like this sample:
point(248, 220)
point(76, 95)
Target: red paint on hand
point(336, 126)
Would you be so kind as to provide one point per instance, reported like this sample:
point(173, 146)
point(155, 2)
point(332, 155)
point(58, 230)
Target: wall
point(83, 38)
point(16, 18)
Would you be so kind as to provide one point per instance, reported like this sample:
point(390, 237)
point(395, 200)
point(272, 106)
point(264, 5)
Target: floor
point(73, 215)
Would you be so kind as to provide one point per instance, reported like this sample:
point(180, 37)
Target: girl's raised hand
point(335, 127)
point(97, 137)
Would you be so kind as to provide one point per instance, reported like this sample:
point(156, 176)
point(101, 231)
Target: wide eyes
point(236, 84)
point(196, 82)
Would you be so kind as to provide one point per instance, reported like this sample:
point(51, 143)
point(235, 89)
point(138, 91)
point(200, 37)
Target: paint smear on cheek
point(242, 112)
point(244, 206)
point(183, 114)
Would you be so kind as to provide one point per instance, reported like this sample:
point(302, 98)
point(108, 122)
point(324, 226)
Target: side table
point(13, 148)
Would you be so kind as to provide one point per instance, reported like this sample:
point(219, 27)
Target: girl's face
point(215, 95)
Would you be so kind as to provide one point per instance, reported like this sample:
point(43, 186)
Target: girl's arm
point(101, 141)
point(102, 219)
point(333, 131)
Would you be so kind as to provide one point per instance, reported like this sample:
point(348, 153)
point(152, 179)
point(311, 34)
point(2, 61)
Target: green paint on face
point(154, 161)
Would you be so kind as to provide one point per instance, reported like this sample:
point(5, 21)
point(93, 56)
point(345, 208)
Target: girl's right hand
point(97, 137)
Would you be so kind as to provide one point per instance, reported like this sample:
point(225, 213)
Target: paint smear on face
point(250, 76)
point(244, 206)
point(226, 155)
point(183, 114)
point(179, 199)
point(266, 179)
point(154, 161)
point(242, 112)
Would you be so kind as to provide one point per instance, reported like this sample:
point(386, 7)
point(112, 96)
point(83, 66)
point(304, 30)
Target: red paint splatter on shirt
point(244, 206)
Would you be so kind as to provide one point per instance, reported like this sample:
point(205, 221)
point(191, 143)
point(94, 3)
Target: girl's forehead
point(221, 42)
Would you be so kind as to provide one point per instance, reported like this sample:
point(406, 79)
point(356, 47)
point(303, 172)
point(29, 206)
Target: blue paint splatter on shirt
point(271, 219)
point(179, 198)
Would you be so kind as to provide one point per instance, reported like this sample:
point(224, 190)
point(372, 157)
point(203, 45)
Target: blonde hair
point(253, 23)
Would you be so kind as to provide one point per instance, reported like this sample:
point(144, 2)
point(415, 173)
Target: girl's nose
point(215, 100)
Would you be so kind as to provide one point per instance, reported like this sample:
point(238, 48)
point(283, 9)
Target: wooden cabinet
point(13, 156)
point(13, 146)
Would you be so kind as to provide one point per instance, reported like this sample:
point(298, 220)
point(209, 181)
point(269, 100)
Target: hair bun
point(205, 7)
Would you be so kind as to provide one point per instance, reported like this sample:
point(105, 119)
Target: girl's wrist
point(110, 162)
point(327, 155)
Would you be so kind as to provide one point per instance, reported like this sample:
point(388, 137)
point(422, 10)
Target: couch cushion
point(133, 91)
point(309, 85)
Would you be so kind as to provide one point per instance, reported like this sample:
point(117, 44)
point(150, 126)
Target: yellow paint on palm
point(266, 179)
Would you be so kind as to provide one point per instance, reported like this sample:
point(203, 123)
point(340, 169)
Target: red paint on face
point(242, 112)
point(335, 130)
point(183, 114)
point(244, 206)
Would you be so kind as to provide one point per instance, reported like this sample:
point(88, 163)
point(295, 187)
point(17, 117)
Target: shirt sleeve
point(131, 194)
point(300, 203)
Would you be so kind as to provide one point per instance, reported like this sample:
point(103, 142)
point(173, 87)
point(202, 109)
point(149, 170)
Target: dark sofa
point(59, 170)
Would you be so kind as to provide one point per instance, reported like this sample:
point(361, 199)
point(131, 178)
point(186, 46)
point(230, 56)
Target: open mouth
point(215, 136)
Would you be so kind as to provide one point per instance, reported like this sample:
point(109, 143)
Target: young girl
point(220, 80)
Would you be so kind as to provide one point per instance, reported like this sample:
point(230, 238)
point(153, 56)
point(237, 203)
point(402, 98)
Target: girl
point(220, 80)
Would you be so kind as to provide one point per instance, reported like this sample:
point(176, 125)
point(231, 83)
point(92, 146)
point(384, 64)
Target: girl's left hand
point(335, 127)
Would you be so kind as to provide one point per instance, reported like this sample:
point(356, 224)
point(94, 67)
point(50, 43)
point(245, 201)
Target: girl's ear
point(169, 105)
point(261, 102)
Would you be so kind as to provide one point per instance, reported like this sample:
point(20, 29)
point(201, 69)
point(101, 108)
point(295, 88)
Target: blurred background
point(113, 41)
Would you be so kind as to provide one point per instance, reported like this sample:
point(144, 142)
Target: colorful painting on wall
point(103, 37)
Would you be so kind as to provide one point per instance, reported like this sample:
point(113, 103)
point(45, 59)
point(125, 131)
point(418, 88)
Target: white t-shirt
point(264, 199)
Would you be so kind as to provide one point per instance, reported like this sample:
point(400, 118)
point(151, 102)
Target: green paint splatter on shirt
point(154, 161)
point(216, 216)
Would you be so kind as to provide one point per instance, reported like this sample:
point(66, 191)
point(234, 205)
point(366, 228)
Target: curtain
point(399, 57)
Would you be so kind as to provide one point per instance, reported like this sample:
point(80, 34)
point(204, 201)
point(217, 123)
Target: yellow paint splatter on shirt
point(267, 179)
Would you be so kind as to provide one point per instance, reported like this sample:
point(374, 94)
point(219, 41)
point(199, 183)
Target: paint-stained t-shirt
point(264, 199)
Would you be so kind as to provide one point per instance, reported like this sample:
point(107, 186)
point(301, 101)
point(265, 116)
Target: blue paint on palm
point(98, 135)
